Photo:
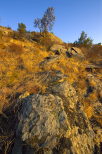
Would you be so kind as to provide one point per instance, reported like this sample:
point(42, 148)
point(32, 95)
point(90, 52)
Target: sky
point(72, 16)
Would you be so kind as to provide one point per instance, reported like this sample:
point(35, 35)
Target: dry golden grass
point(19, 61)
point(73, 68)
point(15, 49)
point(89, 107)
point(89, 111)
point(94, 53)
point(17, 70)
point(98, 119)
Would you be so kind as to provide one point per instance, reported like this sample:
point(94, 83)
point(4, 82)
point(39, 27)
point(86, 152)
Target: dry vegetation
point(18, 64)
point(19, 61)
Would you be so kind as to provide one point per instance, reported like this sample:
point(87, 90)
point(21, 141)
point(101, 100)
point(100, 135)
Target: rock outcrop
point(54, 122)
point(48, 61)
point(43, 121)
point(74, 51)
point(51, 95)
point(58, 49)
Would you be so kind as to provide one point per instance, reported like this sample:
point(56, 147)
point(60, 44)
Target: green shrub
point(84, 40)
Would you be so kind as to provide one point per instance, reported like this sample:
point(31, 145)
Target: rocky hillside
point(50, 96)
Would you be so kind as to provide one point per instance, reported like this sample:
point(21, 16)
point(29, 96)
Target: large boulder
point(43, 121)
point(74, 51)
point(53, 122)
point(57, 48)
point(66, 92)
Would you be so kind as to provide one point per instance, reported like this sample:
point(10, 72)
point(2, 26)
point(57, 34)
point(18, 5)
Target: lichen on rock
point(53, 123)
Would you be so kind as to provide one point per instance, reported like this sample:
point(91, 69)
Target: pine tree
point(84, 40)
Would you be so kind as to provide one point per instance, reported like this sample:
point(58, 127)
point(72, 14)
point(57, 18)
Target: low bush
point(46, 42)
point(16, 49)
point(1, 34)
point(95, 53)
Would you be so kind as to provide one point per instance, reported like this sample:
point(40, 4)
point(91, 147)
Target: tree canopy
point(21, 28)
point(84, 39)
point(45, 24)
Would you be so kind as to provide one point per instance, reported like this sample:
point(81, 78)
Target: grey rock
point(66, 92)
point(50, 78)
point(43, 121)
point(46, 123)
point(74, 51)
point(54, 122)
point(17, 149)
point(58, 47)
point(48, 61)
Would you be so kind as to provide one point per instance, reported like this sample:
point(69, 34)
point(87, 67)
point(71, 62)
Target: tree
point(21, 28)
point(45, 24)
point(37, 23)
point(99, 43)
point(84, 40)
point(82, 37)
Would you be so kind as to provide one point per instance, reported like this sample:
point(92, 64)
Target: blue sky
point(72, 16)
